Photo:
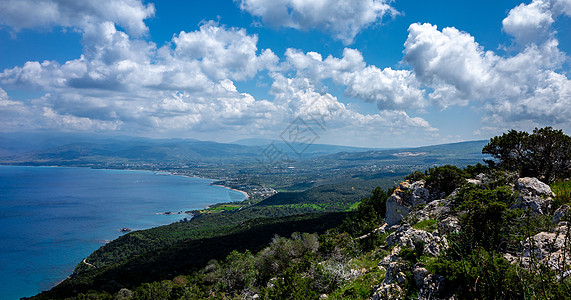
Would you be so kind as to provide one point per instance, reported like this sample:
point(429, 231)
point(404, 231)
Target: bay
point(53, 217)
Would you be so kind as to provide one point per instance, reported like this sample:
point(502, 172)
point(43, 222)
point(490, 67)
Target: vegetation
point(562, 190)
point(545, 154)
point(301, 245)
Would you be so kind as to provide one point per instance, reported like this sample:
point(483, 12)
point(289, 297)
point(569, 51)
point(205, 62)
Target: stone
point(388, 292)
point(532, 186)
point(546, 248)
point(406, 196)
point(419, 274)
point(534, 195)
point(436, 209)
point(405, 235)
point(562, 213)
point(433, 287)
point(449, 225)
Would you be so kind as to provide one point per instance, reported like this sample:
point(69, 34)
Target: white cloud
point(223, 53)
point(301, 99)
point(522, 87)
point(129, 84)
point(129, 14)
point(344, 19)
point(389, 89)
point(531, 23)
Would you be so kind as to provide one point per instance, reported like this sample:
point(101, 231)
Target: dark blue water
point(51, 218)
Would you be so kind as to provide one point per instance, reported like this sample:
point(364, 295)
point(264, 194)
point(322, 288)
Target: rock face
point(436, 209)
point(550, 248)
point(562, 213)
point(406, 236)
point(405, 197)
point(534, 195)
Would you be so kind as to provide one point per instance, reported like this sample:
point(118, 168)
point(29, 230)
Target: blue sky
point(370, 73)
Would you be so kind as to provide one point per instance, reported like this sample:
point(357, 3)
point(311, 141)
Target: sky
point(371, 73)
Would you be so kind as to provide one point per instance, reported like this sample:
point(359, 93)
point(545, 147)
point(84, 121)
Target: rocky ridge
point(414, 202)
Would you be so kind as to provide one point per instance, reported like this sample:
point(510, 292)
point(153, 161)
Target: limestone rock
point(531, 186)
point(550, 248)
point(534, 195)
point(405, 235)
point(449, 225)
point(433, 287)
point(388, 292)
point(562, 213)
point(406, 196)
point(419, 274)
point(437, 209)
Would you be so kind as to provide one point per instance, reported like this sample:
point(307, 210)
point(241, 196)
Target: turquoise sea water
point(51, 217)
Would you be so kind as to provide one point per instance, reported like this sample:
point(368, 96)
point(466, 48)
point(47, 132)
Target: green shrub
point(416, 176)
point(446, 178)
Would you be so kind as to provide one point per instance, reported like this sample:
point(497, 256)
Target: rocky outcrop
point(561, 214)
point(412, 202)
point(534, 195)
point(550, 248)
point(396, 268)
point(406, 196)
point(436, 209)
point(406, 236)
point(449, 225)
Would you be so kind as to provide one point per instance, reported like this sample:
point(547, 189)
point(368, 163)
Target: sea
point(53, 217)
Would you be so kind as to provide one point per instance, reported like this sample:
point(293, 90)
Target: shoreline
point(179, 215)
point(236, 190)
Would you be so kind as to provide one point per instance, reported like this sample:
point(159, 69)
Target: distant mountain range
point(88, 149)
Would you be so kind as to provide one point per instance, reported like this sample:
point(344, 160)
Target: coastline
point(219, 197)
point(236, 190)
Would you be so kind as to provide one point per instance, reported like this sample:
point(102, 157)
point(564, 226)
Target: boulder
point(437, 209)
point(449, 225)
point(406, 196)
point(388, 292)
point(534, 195)
point(419, 274)
point(433, 288)
point(405, 235)
point(562, 213)
point(549, 248)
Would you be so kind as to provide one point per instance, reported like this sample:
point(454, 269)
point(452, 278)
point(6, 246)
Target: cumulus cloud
point(525, 86)
point(114, 61)
point(300, 98)
point(124, 83)
point(129, 14)
point(389, 89)
point(344, 19)
point(531, 23)
point(223, 53)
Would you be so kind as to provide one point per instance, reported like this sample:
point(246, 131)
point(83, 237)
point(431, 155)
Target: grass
point(562, 190)
point(220, 208)
point(362, 286)
point(427, 225)
point(354, 206)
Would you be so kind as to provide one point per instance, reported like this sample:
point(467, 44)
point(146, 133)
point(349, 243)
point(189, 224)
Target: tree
point(545, 154)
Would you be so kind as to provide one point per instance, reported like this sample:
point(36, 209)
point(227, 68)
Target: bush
point(486, 217)
point(545, 154)
point(446, 179)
